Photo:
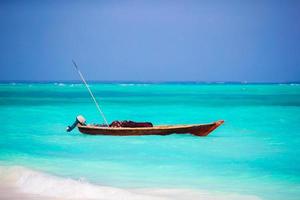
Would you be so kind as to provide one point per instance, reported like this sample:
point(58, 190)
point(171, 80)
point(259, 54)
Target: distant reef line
point(144, 82)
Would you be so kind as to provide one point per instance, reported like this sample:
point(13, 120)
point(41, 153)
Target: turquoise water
point(255, 152)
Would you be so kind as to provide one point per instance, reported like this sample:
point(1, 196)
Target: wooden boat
point(196, 129)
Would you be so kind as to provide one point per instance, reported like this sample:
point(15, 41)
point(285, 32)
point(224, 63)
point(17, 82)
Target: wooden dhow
point(195, 129)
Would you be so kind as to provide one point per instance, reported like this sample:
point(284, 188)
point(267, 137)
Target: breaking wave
point(33, 182)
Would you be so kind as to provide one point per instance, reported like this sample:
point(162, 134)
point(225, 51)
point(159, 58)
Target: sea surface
point(254, 155)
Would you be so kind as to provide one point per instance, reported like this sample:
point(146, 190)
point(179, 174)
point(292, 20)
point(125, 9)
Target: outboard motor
point(79, 120)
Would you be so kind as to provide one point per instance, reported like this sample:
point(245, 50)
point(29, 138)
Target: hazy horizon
point(140, 82)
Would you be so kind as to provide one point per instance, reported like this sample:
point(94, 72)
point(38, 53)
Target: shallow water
point(256, 151)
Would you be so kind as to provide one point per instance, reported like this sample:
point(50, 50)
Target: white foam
point(133, 84)
point(126, 84)
point(75, 84)
point(59, 84)
point(38, 183)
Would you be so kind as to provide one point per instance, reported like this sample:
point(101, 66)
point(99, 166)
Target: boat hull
point(197, 129)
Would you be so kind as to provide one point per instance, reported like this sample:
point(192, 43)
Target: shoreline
point(17, 182)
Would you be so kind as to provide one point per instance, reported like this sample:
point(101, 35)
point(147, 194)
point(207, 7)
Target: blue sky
point(254, 41)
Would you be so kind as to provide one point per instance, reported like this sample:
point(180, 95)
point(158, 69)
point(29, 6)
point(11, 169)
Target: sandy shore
point(19, 183)
point(11, 193)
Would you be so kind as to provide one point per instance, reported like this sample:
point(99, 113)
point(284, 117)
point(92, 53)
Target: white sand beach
point(17, 183)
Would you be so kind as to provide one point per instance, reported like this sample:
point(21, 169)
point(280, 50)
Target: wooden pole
point(88, 88)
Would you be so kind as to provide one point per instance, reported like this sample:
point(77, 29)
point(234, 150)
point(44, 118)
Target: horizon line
point(148, 82)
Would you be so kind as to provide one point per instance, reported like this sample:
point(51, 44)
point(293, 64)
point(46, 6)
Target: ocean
point(255, 154)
